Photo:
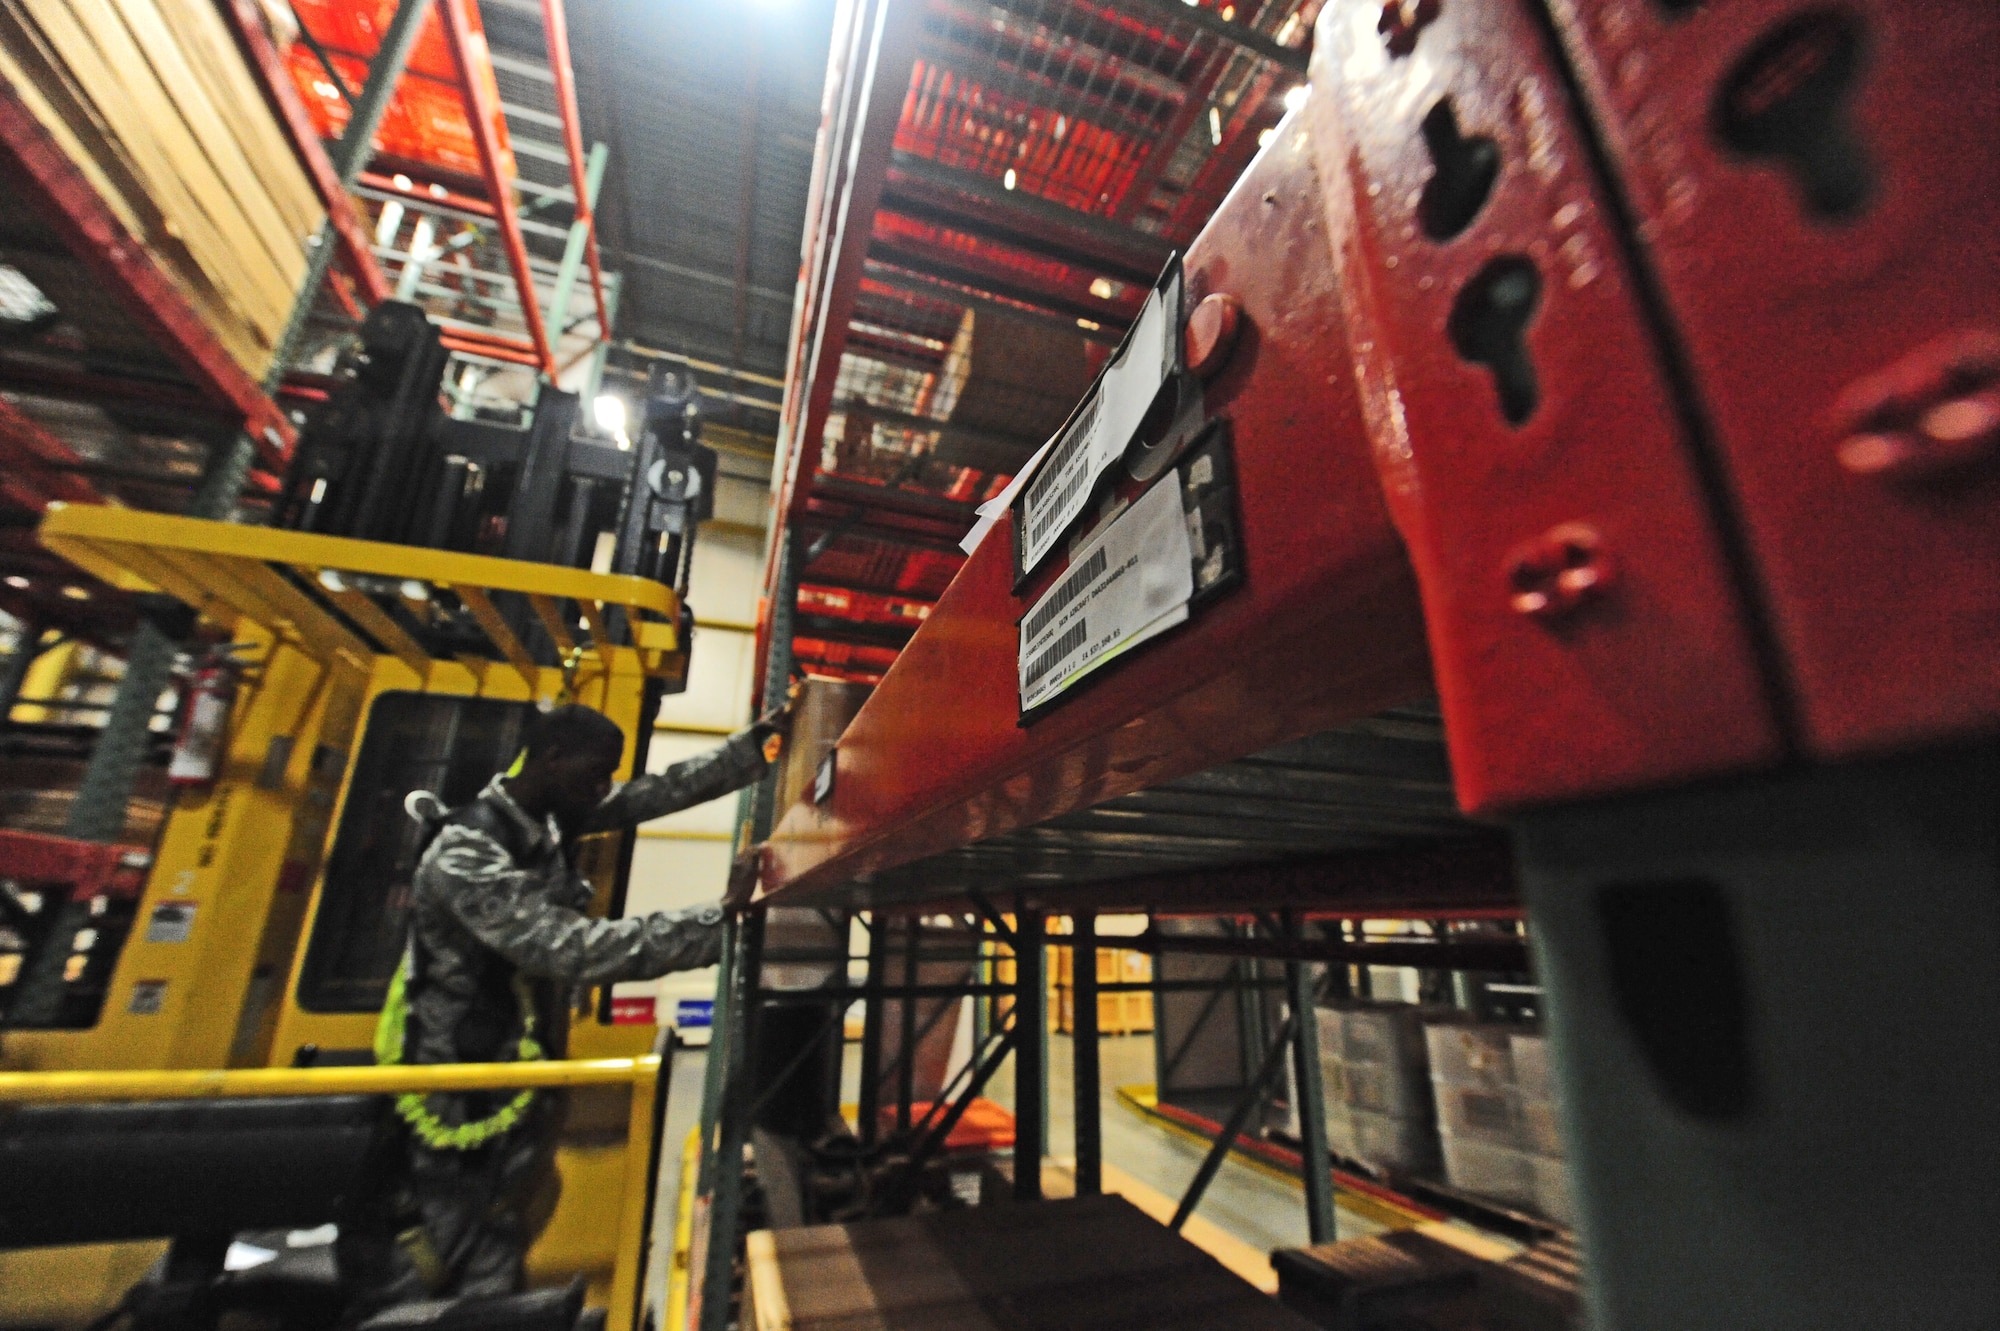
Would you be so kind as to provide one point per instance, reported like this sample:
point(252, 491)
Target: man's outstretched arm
point(477, 881)
point(732, 766)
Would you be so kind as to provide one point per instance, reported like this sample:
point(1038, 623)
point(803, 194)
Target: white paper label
point(1098, 434)
point(1128, 584)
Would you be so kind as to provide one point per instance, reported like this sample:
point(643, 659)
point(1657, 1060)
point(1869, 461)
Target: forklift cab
point(273, 913)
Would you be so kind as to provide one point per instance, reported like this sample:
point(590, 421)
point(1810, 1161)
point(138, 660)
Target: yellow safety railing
point(641, 1074)
point(334, 596)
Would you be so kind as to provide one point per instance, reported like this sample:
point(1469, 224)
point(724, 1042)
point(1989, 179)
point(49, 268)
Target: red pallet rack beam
point(468, 53)
point(491, 350)
point(1326, 626)
point(463, 203)
point(283, 95)
point(72, 206)
point(555, 26)
point(91, 868)
point(29, 453)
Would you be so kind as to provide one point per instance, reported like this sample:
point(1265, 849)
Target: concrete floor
point(1249, 1203)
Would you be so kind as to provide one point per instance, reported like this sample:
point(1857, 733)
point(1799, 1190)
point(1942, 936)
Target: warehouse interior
point(1275, 663)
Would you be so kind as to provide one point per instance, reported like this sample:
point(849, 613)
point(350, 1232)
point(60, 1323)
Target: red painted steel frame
point(1884, 589)
point(283, 95)
point(1584, 621)
point(463, 203)
point(1327, 626)
point(556, 26)
point(92, 868)
point(867, 85)
point(484, 115)
point(31, 459)
point(71, 205)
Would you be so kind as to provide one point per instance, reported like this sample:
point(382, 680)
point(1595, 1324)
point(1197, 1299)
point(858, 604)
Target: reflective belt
point(413, 1107)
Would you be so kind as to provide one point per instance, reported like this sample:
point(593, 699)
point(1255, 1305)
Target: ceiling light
point(76, 593)
point(1215, 125)
point(17, 582)
point(1089, 325)
point(1265, 136)
point(1229, 13)
point(1102, 288)
point(401, 181)
point(609, 409)
point(1295, 97)
point(1009, 179)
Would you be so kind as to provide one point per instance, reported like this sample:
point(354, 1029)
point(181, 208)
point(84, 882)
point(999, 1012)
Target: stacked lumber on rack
point(153, 103)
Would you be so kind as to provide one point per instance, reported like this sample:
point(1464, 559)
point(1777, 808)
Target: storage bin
point(1489, 1115)
point(1500, 1173)
point(1541, 1131)
point(1474, 1054)
point(1533, 1074)
point(1386, 1032)
point(1381, 1139)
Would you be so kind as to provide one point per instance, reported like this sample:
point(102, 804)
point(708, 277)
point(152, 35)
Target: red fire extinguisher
point(207, 696)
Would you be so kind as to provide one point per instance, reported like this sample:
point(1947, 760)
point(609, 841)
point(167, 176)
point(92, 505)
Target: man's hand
point(776, 723)
point(742, 883)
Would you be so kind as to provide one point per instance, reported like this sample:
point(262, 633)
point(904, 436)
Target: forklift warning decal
point(1130, 583)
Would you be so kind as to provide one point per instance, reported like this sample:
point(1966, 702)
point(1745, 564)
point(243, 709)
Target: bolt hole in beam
point(1465, 169)
point(1788, 100)
point(1488, 326)
point(1677, 975)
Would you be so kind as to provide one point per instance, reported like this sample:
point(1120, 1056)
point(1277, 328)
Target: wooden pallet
point(154, 105)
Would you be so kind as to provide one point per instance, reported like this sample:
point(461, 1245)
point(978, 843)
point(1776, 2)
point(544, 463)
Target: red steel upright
point(1584, 622)
point(1815, 187)
point(468, 52)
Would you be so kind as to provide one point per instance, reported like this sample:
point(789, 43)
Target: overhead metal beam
point(959, 445)
point(1161, 96)
point(1149, 250)
point(1130, 266)
point(1294, 58)
point(943, 290)
point(1007, 287)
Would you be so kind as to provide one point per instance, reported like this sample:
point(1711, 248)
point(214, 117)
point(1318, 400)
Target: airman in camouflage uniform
point(499, 944)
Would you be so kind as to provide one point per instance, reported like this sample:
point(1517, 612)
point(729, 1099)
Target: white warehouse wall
point(683, 859)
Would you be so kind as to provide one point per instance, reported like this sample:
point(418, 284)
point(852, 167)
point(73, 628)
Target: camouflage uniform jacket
point(496, 901)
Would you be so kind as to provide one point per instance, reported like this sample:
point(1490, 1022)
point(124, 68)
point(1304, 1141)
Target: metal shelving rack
point(1733, 830)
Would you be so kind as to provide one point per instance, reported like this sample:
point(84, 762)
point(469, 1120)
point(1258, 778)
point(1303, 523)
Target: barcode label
point(1065, 593)
point(1102, 429)
point(1130, 582)
point(1058, 492)
point(1064, 645)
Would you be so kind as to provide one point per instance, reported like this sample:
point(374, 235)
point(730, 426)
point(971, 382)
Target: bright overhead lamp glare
point(609, 410)
point(1264, 137)
point(1009, 179)
point(17, 582)
point(1295, 97)
point(1101, 288)
point(76, 593)
point(401, 181)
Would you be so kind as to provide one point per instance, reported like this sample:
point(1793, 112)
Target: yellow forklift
point(338, 675)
